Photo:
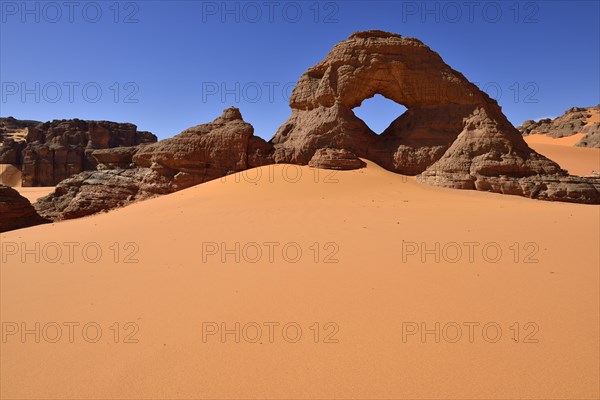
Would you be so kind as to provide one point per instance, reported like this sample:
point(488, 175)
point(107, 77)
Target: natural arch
point(451, 128)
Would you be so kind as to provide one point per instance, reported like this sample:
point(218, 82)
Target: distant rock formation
point(130, 174)
point(16, 129)
point(574, 120)
point(16, 212)
point(52, 151)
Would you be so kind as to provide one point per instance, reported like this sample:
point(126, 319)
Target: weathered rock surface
point(206, 151)
point(550, 187)
point(15, 211)
point(13, 133)
point(452, 135)
point(574, 120)
point(91, 192)
point(115, 158)
point(53, 151)
point(509, 167)
point(196, 155)
point(16, 129)
point(338, 159)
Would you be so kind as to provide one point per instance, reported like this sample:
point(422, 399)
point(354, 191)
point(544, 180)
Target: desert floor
point(290, 282)
point(577, 160)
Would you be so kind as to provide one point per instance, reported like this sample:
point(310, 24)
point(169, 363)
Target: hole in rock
point(378, 112)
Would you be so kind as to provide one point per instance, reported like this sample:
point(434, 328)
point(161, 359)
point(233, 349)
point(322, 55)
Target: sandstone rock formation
point(207, 151)
point(16, 129)
point(116, 157)
point(91, 192)
point(452, 135)
point(130, 174)
point(338, 159)
point(574, 120)
point(53, 151)
point(403, 70)
point(13, 133)
point(15, 211)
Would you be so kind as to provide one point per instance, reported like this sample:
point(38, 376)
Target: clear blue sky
point(166, 66)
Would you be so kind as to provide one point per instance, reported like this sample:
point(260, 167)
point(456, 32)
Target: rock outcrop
point(16, 212)
point(575, 120)
point(452, 135)
point(115, 158)
point(91, 192)
point(337, 159)
point(56, 150)
point(205, 152)
point(507, 167)
point(130, 174)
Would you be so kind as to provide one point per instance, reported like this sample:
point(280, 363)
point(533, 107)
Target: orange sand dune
point(359, 295)
point(577, 160)
point(563, 141)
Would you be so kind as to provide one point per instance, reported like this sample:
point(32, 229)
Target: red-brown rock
point(453, 134)
point(52, 151)
point(16, 212)
point(208, 151)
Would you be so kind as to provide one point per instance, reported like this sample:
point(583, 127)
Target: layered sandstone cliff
point(50, 152)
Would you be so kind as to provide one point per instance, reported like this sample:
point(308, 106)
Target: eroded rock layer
point(52, 151)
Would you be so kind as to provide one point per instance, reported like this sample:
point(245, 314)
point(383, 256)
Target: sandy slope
point(546, 140)
point(577, 160)
point(10, 175)
point(34, 193)
point(373, 294)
